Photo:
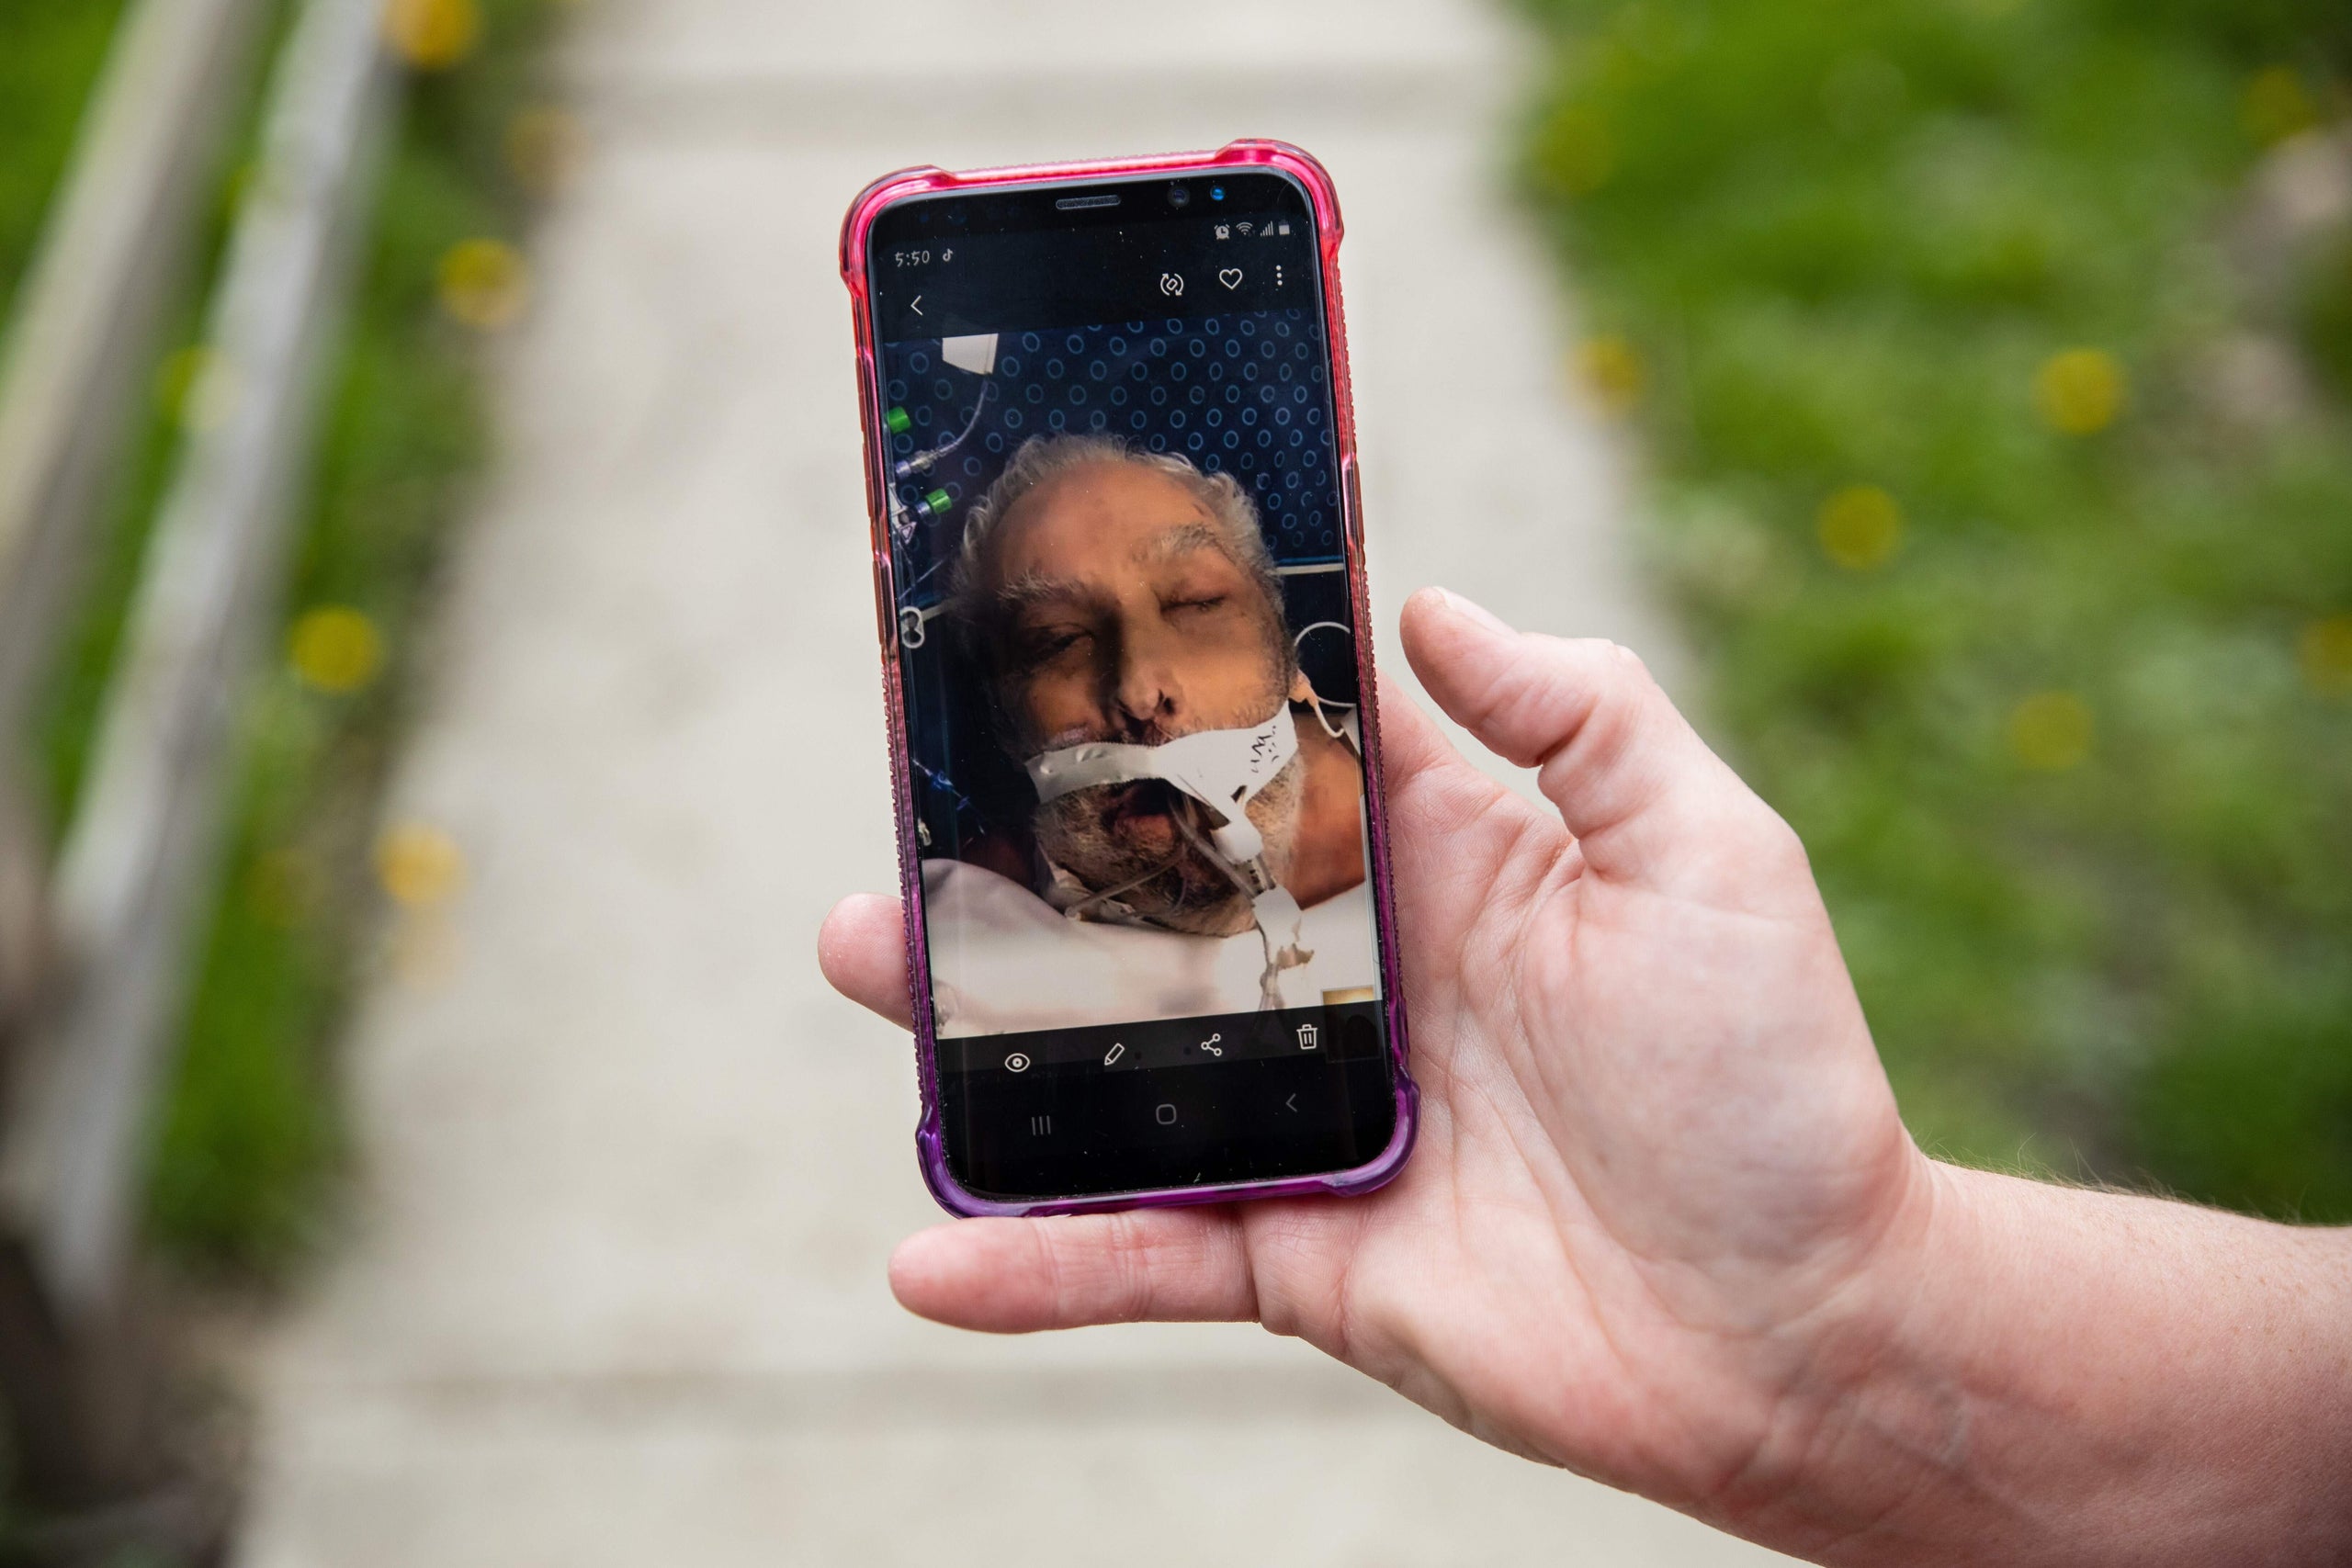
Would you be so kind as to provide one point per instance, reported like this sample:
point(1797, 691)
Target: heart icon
point(1231, 277)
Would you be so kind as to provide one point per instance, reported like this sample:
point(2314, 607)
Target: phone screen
point(1127, 656)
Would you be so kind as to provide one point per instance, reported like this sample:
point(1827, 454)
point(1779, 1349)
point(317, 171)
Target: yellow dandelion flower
point(335, 648)
point(1612, 370)
point(433, 35)
point(2325, 654)
point(1860, 527)
point(2050, 731)
point(419, 865)
point(2080, 391)
point(484, 284)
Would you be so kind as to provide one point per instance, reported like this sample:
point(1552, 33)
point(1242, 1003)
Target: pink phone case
point(855, 228)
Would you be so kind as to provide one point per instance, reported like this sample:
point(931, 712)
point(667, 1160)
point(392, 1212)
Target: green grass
point(2064, 734)
point(249, 1142)
point(248, 1136)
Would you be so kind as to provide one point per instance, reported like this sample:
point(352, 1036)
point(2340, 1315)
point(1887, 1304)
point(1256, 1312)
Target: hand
point(1663, 1225)
point(1657, 1152)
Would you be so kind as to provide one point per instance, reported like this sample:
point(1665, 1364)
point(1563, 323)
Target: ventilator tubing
point(1224, 769)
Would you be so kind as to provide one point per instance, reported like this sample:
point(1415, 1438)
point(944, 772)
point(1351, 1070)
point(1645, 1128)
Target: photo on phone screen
point(1127, 655)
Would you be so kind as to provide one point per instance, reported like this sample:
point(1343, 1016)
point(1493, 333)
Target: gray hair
point(1042, 458)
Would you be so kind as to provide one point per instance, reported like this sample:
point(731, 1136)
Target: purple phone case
point(929, 1142)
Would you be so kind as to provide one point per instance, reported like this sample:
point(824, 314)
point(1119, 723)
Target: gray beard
point(1186, 893)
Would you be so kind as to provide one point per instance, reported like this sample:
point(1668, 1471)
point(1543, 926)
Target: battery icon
point(1285, 226)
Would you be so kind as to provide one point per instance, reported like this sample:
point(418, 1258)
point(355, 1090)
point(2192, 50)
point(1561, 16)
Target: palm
point(1654, 1131)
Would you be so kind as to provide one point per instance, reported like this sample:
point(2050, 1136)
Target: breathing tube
point(1223, 769)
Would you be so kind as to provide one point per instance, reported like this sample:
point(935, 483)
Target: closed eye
point(1042, 647)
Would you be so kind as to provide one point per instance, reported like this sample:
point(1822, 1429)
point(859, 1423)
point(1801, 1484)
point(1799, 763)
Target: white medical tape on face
point(1222, 768)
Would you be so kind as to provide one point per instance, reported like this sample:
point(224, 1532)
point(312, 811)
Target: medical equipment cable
point(923, 462)
point(1078, 910)
point(1290, 956)
point(1315, 698)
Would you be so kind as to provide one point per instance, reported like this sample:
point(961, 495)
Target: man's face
point(1125, 619)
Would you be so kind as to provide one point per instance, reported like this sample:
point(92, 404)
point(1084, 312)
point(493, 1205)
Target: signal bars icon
point(1265, 231)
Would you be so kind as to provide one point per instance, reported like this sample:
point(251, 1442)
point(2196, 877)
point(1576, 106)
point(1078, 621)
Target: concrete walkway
point(629, 1172)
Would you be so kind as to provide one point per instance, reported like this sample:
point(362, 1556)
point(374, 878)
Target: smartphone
point(1118, 566)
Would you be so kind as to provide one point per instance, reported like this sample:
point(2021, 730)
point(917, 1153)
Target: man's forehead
point(1126, 512)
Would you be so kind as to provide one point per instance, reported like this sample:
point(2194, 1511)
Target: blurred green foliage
point(66, 725)
point(248, 1136)
point(2008, 491)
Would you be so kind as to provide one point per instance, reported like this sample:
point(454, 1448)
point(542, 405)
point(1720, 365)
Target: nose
point(1147, 691)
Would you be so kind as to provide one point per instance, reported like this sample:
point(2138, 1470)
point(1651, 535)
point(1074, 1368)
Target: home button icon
point(1164, 1115)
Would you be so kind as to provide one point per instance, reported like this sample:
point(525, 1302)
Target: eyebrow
point(1035, 588)
point(1183, 540)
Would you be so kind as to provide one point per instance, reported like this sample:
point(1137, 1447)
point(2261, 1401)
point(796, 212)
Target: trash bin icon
point(1306, 1037)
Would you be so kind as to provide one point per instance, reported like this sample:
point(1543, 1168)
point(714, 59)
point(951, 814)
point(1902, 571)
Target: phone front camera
point(1177, 196)
point(1217, 193)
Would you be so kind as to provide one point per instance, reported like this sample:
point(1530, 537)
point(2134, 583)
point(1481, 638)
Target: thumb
point(1645, 797)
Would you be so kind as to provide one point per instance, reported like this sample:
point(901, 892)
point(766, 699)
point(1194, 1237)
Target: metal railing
point(99, 939)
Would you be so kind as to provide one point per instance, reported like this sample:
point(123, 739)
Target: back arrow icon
point(915, 304)
point(1292, 1103)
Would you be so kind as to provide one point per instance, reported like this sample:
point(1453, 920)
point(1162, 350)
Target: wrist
point(1866, 1431)
point(2025, 1373)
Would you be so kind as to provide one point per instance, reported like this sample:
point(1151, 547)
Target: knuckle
point(1793, 845)
point(1772, 846)
point(1624, 672)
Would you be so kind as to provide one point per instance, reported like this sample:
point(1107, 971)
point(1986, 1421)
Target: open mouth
point(1131, 805)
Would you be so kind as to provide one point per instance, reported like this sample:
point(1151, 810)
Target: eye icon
point(1170, 283)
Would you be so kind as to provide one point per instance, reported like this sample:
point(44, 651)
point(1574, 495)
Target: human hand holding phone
point(1625, 1036)
point(1665, 1227)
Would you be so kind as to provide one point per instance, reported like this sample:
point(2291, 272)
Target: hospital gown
point(1002, 960)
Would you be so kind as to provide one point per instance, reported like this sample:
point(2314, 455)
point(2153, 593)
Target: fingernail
point(1470, 610)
